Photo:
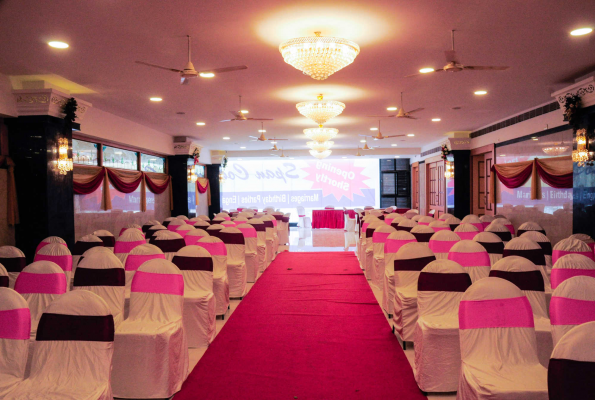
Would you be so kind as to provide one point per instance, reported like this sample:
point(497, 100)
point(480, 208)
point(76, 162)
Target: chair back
point(453, 222)
point(109, 240)
point(183, 230)
point(486, 220)
point(3, 276)
point(235, 245)
point(425, 220)
point(493, 245)
point(148, 224)
point(131, 226)
point(473, 257)
point(394, 242)
point(506, 223)
point(440, 287)
point(405, 225)
point(409, 261)
point(56, 253)
point(530, 226)
point(569, 266)
point(168, 242)
point(14, 261)
point(152, 230)
point(466, 231)
point(15, 330)
point(127, 241)
point(571, 246)
point(441, 242)
point(194, 235)
point(573, 303)
point(379, 237)
point(439, 225)
point(48, 240)
point(218, 252)
point(422, 233)
point(137, 257)
point(528, 249)
point(174, 224)
point(585, 238)
point(196, 264)
point(499, 230)
point(204, 218)
point(250, 236)
point(473, 220)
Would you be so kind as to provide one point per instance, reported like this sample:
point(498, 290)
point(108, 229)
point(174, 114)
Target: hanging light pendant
point(320, 146)
point(320, 154)
point(320, 111)
point(321, 135)
point(319, 56)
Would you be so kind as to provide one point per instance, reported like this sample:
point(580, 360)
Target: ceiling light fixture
point(555, 150)
point(225, 138)
point(394, 145)
point(321, 134)
point(318, 56)
point(58, 45)
point(320, 146)
point(373, 129)
point(320, 154)
point(426, 70)
point(362, 141)
point(410, 134)
point(244, 111)
point(242, 147)
point(156, 99)
point(262, 130)
point(502, 155)
point(581, 31)
point(397, 156)
point(200, 124)
point(206, 75)
point(436, 120)
point(480, 92)
point(320, 111)
point(391, 109)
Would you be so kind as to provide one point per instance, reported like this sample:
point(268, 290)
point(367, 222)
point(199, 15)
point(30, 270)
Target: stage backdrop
point(313, 184)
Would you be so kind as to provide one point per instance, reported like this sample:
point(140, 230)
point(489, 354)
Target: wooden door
point(481, 165)
point(415, 186)
point(436, 188)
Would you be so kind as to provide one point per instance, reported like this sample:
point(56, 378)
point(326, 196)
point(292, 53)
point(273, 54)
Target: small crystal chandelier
point(320, 111)
point(320, 146)
point(581, 155)
point(64, 163)
point(319, 56)
point(449, 170)
point(192, 177)
point(320, 154)
point(555, 150)
point(321, 135)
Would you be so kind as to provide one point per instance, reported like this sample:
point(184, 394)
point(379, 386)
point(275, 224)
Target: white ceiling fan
point(239, 116)
point(379, 136)
point(262, 138)
point(400, 114)
point(189, 72)
point(279, 155)
point(455, 66)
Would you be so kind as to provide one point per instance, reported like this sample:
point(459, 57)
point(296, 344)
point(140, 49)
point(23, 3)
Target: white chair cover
point(417, 217)
point(168, 242)
point(151, 352)
point(131, 226)
point(439, 226)
point(152, 231)
point(3, 276)
point(204, 218)
point(394, 242)
point(411, 213)
point(194, 236)
point(174, 224)
point(409, 261)
point(168, 220)
point(236, 261)
point(422, 233)
point(83, 244)
point(261, 246)
point(530, 226)
point(185, 218)
point(196, 265)
point(251, 242)
point(571, 265)
point(527, 277)
point(136, 257)
point(200, 223)
point(445, 216)
point(473, 257)
point(269, 225)
point(466, 231)
point(127, 241)
point(72, 353)
point(369, 249)
point(498, 346)
point(361, 244)
point(441, 242)
point(15, 320)
point(379, 237)
point(440, 287)
point(571, 245)
point(301, 211)
point(223, 215)
point(48, 240)
point(388, 218)
point(527, 248)
point(453, 222)
point(405, 225)
point(506, 223)
point(14, 261)
point(148, 224)
point(183, 230)
point(493, 245)
point(228, 224)
point(425, 220)
point(545, 244)
point(573, 303)
point(473, 220)
point(585, 238)
point(218, 252)
point(499, 230)
point(59, 254)
point(486, 220)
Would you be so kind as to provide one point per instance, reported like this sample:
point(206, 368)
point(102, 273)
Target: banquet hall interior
point(297, 200)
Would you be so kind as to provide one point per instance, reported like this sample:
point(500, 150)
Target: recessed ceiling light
point(502, 155)
point(242, 147)
point(373, 129)
point(362, 141)
point(273, 141)
point(534, 138)
point(262, 130)
point(225, 138)
point(244, 111)
point(58, 45)
point(200, 124)
point(391, 109)
point(207, 75)
point(581, 31)
point(436, 119)
point(394, 145)
point(410, 134)
point(480, 92)
point(426, 70)
point(397, 156)
point(155, 99)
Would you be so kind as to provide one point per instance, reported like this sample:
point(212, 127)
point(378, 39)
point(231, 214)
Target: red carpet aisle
point(310, 328)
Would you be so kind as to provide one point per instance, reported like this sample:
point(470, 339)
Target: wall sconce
point(449, 170)
point(221, 177)
point(64, 163)
point(581, 154)
point(192, 177)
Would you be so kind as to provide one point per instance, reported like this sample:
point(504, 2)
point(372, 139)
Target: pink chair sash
point(441, 246)
point(380, 237)
point(43, 244)
point(565, 311)
point(247, 232)
point(388, 220)
point(392, 246)
point(466, 235)
point(149, 282)
point(556, 254)
point(510, 228)
point(485, 224)
point(478, 225)
point(191, 222)
point(126, 247)
point(172, 228)
point(191, 239)
point(479, 259)
point(514, 312)
point(28, 282)
point(15, 324)
point(214, 249)
point(441, 228)
point(64, 262)
point(133, 261)
point(275, 222)
point(559, 275)
point(423, 223)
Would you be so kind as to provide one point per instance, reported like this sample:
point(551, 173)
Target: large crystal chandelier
point(555, 150)
point(449, 171)
point(320, 146)
point(321, 135)
point(581, 155)
point(320, 111)
point(64, 163)
point(320, 154)
point(319, 56)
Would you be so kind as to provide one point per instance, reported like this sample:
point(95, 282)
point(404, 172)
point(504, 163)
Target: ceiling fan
point(279, 155)
point(239, 116)
point(262, 138)
point(401, 113)
point(189, 72)
point(455, 66)
point(380, 136)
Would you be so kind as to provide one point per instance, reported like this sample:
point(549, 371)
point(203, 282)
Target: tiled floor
point(317, 240)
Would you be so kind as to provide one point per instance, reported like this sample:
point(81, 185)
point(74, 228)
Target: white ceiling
point(397, 38)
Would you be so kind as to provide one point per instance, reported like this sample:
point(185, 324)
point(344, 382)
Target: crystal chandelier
point(320, 154)
point(320, 146)
point(64, 163)
point(319, 56)
point(321, 135)
point(555, 150)
point(449, 171)
point(192, 177)
point(581, 155)
point(320, 111)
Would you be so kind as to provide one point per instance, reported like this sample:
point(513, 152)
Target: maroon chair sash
point(168, 245)
point(13, 264)
point(423, 237)
point(546, 247)
point(260, 227)
point(231, 238)
point(403, 228)
point(145, 228)
point(570, 379)
point(268, 224)
point(493, 247)
point(453, 226)
point(193, 263)
point(80, 247)
point(99, 277)
point(536, 256)
point(108, 241)
point(278, 217)
point(165, 223)
point(4, 281)
point(370, 232)
point(504, 236)
point(381, 217)
point(413, 264)
point(521, 231)
point(395, 225)
point(525, 280)
point(436, 282)
point(285, 219)
point(87, 328)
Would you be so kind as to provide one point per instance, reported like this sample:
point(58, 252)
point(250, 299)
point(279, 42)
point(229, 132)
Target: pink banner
point(514, 312)
point(248, 232)
point(441, 246)
point(466, 235)
point(28, 282)
point(565, 311)
point(559, 275)
point(15, 324)
point(392, 246)
point(479, 259)
point(149, 282)
point(380, 237)
point(64, 262)
point(126, 247)
point(43, 244)
point(478, 225)
point(556, 254)
point(133, 261)
point(214, 248)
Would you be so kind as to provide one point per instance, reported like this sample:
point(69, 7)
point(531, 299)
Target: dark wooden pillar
point(462, 184)
point(213, 177)
point(178, 169)
point(583, 215)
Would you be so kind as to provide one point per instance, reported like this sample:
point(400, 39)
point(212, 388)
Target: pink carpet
point(310, 328)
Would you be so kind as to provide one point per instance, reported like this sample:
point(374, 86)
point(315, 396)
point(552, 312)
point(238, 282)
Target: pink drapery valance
point(202, 186)
point(332, 219)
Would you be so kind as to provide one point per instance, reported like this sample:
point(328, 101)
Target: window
point(84, 152)
point(151, 163)
point(119, 158)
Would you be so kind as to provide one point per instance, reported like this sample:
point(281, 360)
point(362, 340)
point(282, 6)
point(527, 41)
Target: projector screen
point(313, 184)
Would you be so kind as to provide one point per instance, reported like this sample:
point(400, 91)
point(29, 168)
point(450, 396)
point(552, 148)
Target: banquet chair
point(218, 220)
point(251, 241)
point(15, 320)
point(131, 226)
point(269, 226)
point(261, 246)
point(440, 287)
point(493, 245)
point(183, 230)
point(301, 211)
point(361, 244)
point(376, 213)
point(417, 217)
point(572, 366)
point(486, 220)
point(72, 352)
point(228, 224)
point(453, 222)
point(530, 226)
point(422, 233)
point(499, 230)
point(201, 224)
point(59, 254)
point(48, 240)
point(283, 231)
point(388, 218)
point(194, 236)
point(275, 219)
point(527, 277)
point(441, 242)
point(14, 261)
point(527, 248)
point(204, 218)
point(108, 239)
point(573, 302)
point(225, 216)
point(571, 265)
point(185, 218)
point(439, 225)
point(239, 220)
point(218, 252)
point(498, 346)
point(103, 274)
point(136, 258)
point(128, 241)
point(411, 213)
point(167, 221)
point(466, 231)
point(394, 242)
point(585, 239)
point(236, 261)
point(473, 220)
point(151, 351)
point(571, 246)
point(40, 283)
point(546, 246)
point(409, 261)
point(506, 223)
point(82, 245)
point(214, 229)
point(444, 216)
point(148, 224)
point(3, 276)
point(404, 225)
point(174, 224)
point(473, 257)
point(193, 220)
point(425, 220)
point(96, 249)
point(168, 242)
point(369, 248)
point(196, 265)
point(379, 237)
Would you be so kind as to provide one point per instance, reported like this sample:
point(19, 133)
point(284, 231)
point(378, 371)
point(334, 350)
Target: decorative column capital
point(46, 102)
point(184, 146)
point(585, 89)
